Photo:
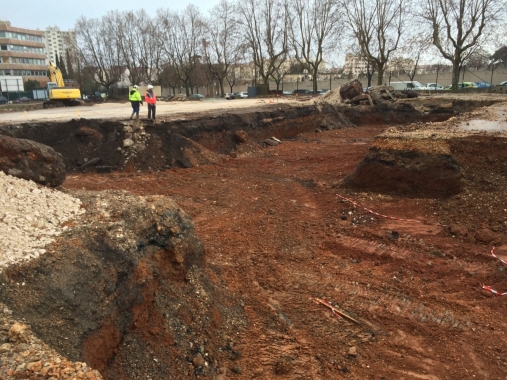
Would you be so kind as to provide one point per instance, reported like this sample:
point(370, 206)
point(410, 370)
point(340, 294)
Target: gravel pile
point(31, 217)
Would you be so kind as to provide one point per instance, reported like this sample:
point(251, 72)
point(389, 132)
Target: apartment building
point(354, 65)
point(22, 53)
point(58, 42)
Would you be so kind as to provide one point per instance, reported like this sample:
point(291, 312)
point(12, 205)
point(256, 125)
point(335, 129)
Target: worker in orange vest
point(151, 99)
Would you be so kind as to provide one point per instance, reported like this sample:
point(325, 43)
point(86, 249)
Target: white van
point(408, 85)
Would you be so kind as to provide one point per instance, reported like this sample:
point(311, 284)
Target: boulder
point(351, 89)
point(31, 161)
point(357, 99)
point(241, 137)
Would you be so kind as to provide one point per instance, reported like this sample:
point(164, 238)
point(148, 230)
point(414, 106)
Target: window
point(3, 47)
point(2, 35)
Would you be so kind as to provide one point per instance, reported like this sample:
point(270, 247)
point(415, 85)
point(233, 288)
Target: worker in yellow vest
point(135, 101)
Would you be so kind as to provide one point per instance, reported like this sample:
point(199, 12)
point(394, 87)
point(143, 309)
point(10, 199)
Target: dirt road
point(277, 235)
point(165, 110)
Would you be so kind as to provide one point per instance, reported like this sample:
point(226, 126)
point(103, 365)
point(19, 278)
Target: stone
point(237, 369)
point(284, 365)
point(357, 99)
point(351, 89)
point(271, 142)
point(31, 161)
point(352, 352)
point(93, 161)
point(34, 366)
point(456, 229)
point(485, 235)
point(127, 143)
point(18, 332)
point(241, 137)
point(139, 147)
point(198, 360)
point(258, 372)
point(6, 347)
point(21, 367)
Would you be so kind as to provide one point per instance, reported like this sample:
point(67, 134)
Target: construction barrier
point(387, 216)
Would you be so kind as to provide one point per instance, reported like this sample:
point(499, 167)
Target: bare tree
point(377, 26)
point(126, 26)
point(181, 34)
point(222, 46)
point(458, 26)
point(150, 49)
point(266, 34)
point(98, 50)
point(314, 31)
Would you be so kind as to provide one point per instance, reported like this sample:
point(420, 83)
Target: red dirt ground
point(276, 235)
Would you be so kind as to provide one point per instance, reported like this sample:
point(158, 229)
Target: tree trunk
point(315, 84)
point(455, 74)
point(222, 91)
point(380, 74)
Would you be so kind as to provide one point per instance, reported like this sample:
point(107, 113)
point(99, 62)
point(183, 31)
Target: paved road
point(165, 110)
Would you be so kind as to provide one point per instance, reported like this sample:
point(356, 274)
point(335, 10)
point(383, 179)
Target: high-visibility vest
point(150, 97)
point(135, 96)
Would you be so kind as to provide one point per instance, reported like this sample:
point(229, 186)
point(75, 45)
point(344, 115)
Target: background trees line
point(262, 40)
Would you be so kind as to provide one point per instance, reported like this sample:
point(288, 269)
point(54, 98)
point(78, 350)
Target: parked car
point(287, 93)
point(323, 91)
point(3, 100)
point(434, 86)
point(23, 99)
point(230, 96)
point(484, 84)
point(463, 85)
point(408, 85)
point(301, 91)
point(196, 96)
point(504, 83)
point(242, 95)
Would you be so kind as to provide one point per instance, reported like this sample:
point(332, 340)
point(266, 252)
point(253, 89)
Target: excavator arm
point(56, 75)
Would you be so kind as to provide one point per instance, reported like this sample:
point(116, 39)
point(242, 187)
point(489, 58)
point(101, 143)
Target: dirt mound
point(124, 286)
point(408, 165)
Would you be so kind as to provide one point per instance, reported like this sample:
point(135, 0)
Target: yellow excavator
point(59, 95)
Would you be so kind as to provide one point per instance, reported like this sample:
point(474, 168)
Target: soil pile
point(410, 165)
point(125, 291)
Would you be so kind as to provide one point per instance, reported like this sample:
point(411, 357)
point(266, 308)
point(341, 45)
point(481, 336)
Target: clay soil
point(277, 236)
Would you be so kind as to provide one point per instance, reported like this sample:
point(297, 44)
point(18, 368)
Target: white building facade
point(58, 42)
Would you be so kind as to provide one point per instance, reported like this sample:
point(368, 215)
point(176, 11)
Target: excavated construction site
point(312, 239)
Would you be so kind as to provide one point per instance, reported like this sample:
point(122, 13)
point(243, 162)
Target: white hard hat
point(136, 86)
point(150, 87)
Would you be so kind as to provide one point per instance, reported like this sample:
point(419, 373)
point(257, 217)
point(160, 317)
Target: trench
point(98, 145)
point(142, 309)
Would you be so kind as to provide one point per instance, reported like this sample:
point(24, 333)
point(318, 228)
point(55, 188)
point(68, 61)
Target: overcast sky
point(38, 14)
